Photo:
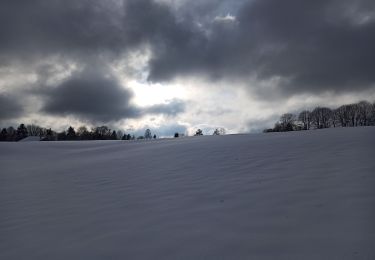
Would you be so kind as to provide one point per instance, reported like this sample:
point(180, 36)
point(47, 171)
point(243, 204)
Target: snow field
point(296, 195)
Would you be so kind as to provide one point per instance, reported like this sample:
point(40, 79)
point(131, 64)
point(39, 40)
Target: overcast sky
point(179, 65)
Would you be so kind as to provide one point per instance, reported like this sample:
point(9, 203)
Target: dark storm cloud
point(9, 107)
point(311, 46)
point(57, 27)
point(97, 96)
point(84, 28)
point(92, 96)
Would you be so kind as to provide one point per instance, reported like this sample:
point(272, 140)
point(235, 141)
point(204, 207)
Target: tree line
point(47, 134)
point(351, 115)
point(11, 134)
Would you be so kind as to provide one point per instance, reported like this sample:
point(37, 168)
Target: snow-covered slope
point(301, 195)
point(30, 139)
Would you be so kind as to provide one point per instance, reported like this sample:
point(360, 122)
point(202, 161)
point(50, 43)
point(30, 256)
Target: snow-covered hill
point(297, 195)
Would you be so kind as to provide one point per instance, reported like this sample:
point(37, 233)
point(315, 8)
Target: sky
point(179, 65)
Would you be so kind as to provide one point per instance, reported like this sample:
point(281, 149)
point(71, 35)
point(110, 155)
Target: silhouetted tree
point(114, 135)
point(287, 122)
point(219, 131)
point(321, 117)
point(83, 133)
point(342, 115)
point(101, 133)
point(21, 132)
point(372, 117)
point(127, 137)
point(3, 135)
point(198, 132)
point(33, 130)
point(353, 114)
point(364, 113)
point(305, 118)
point(119, 134)
point(148, 134)
point(49, 136)
point(71, 134)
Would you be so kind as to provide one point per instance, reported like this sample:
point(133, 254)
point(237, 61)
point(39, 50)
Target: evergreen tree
point(71, 134)
point(21, 132)
point(114, 135)
point(3, 135)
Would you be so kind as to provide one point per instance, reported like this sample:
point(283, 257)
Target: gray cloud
point(81, 29)
point(311, 46)
point(39, 27)
point(172, 108)
point(97, 96)
point(9, 107)
point(90, 95)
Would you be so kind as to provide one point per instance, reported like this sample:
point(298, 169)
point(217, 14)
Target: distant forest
point(47, 134)
point(352, 115)
point(11, 134)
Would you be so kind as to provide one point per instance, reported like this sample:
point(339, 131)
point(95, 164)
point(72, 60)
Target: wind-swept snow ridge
point(297, 195)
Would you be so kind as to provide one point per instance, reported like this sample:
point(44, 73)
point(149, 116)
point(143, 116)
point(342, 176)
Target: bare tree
point(219, 131)
point(364, 113)
point(119, 134)
point(305, 118)
point(351, 115)
point(321, 117)
point(372, 118)
point(287, 122)
point(33, 130)
point(101, 133)
point(148, 134)
point(342, 115)
point(83, 133)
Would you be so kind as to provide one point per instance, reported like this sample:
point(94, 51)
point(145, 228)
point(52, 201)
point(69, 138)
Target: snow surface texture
point(300, 195)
